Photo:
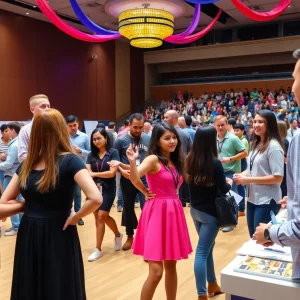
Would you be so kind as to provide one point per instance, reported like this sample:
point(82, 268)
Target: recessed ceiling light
point(27, 13)
point(34, 6)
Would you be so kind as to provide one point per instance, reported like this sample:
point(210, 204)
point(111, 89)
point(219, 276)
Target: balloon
point(88, 23)
point(194, 37)
point(262, 16)
point(66, 28)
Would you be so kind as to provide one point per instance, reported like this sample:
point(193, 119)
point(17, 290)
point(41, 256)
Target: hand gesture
point(132, 153)
point(225, 160)
point(2, 156)
point(241, 179)
point(93, 174)
point(72, 220)
point(114, 163)
point(125, 173)
point(77, 149)
point(283, 202)
point(149, 195)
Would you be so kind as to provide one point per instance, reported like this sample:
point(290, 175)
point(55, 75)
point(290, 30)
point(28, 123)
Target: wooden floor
point(120, 275)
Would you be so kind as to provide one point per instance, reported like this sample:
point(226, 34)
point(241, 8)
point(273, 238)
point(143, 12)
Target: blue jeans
point(120, 197)
point(77, 198)
point(260, 214)
point(1, 178)
point(207, 229)
point(16, 219)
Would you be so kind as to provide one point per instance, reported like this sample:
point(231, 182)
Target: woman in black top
point(205, 176)
point(105, 178)
point(48, 262)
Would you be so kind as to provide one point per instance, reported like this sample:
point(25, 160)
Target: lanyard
point(220, 145)
point(252, 158)
point(176, 177)
point(103, 159)
point(133, 143)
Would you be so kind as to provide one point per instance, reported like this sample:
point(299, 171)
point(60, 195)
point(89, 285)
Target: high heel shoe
point(202, 297)
point(213, 289)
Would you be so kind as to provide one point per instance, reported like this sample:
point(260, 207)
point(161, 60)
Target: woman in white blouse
point(265, 171)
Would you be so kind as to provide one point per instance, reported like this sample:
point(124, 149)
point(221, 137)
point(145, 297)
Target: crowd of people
point(187, 151)
point(239, 105)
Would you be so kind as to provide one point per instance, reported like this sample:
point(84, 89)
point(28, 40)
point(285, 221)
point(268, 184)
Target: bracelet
point(230, 159)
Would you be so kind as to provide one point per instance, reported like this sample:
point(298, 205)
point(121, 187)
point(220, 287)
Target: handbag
point(227, 210)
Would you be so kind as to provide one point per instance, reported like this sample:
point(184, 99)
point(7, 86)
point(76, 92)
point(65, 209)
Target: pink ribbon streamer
point(262, 16)
point(196, 36)
point(66, 28)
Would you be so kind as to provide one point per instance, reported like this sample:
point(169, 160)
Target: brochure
point(265, 267)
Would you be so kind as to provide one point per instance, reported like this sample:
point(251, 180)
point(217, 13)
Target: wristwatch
point(267, 235)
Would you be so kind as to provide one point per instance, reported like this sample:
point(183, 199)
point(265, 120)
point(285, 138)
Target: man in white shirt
point(37, 104)
point(81, 146)
point(293, 129)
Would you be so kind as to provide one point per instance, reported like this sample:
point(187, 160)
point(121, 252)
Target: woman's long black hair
point(94, 149)
point(272, 132)
point(199, 163)
point(154, 148)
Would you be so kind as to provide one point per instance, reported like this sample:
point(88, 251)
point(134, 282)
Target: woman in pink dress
point(162, 236)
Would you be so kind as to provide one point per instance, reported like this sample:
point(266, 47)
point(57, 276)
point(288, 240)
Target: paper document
point(236, 196)
point(275, 252)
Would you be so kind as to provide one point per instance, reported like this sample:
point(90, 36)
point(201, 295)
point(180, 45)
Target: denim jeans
point(1, 178)
point(120, 197)
point(260, 214)
point(77, 198)
point(207, 229)
point(15, 219)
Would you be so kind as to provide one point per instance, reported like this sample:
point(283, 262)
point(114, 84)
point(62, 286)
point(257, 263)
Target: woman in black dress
point(48, 261)
point(105, 178)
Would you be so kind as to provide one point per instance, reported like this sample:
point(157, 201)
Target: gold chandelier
point(146, 27)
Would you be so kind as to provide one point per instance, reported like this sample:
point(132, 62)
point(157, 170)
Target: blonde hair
point(282, 128)
point(49, 138)
point(33, 100)
point(219, 118)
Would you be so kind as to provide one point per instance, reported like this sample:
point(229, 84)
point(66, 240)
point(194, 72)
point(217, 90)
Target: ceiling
point(95, 9)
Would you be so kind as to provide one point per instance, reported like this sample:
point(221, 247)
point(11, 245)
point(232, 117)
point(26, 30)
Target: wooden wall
point(159, 93)
point(35, 57)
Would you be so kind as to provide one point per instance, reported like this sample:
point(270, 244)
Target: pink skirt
point(162, 232)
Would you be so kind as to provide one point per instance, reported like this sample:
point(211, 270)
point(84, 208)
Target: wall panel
point(35, 57)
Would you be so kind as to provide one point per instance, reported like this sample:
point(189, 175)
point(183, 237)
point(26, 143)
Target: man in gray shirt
point(171, 117)
point(288, 233)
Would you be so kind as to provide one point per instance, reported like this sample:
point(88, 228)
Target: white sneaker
point(118, 242)
point(11, 233)
point(8, 229)
point(96, 254)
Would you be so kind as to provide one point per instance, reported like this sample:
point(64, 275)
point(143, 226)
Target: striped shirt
point(3, 147)
point(270, 162)
point(11, 164)
point(288, 233)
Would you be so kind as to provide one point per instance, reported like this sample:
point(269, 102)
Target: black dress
point(48, 262)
